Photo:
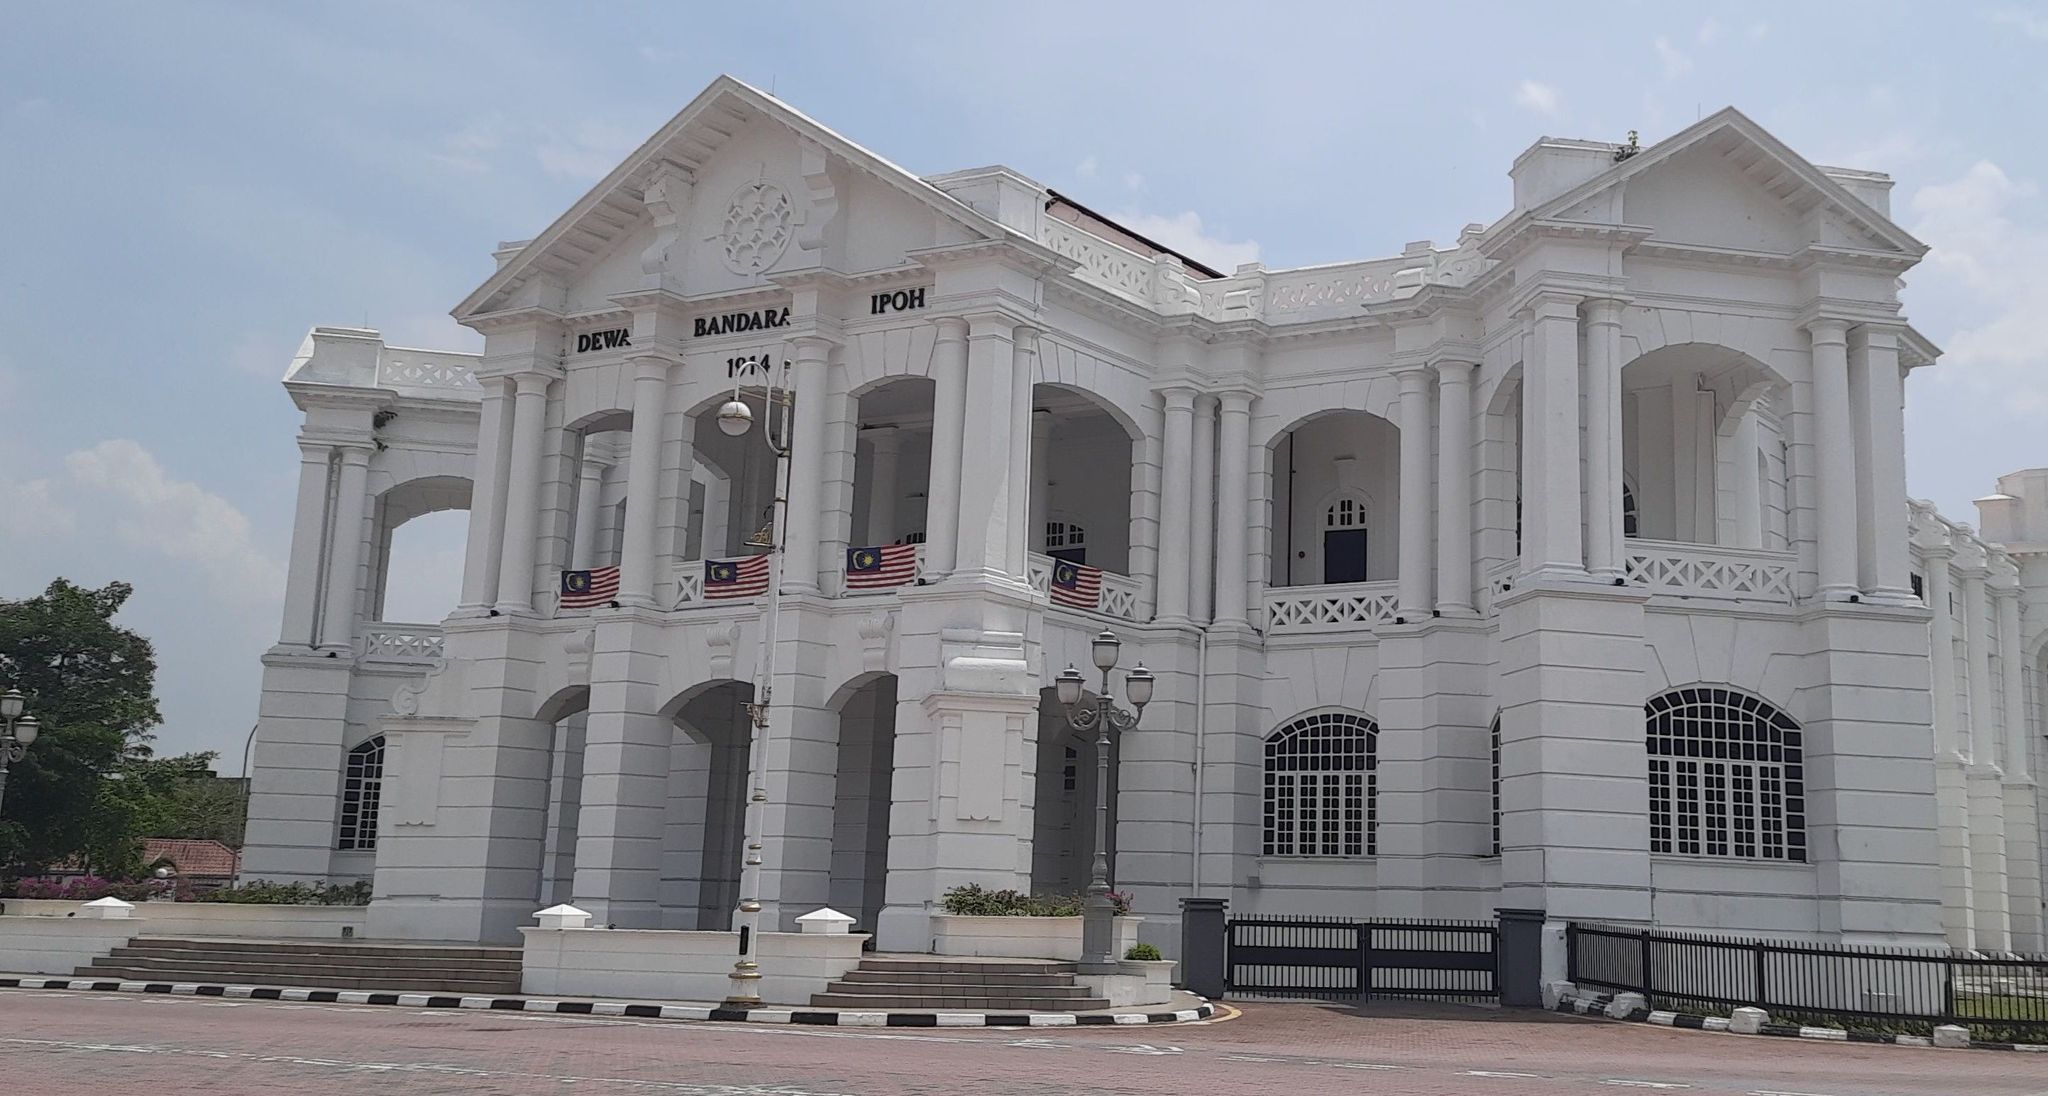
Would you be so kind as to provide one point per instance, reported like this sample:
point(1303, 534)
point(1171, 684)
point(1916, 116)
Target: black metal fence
point(1343, 958)
point(1883, 987)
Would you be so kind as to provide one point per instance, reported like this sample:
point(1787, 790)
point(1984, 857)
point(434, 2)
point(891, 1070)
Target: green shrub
point(295, 894)
point(972, 900)
point(1143, 953)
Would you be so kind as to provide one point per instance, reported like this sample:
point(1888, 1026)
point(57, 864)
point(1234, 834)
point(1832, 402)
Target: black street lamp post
point(1098, 912)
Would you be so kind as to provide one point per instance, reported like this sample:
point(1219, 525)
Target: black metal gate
point(1339, 957)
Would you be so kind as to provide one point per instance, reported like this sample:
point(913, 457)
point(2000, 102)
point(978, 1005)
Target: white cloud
point(1184, 233)
point(120, 484)
point(1758, 31)
point(1985, 244)
point(1676, 64)
point(1710, 31)
point(586, 155)
point(2033, 24)
point(34, 508)
point(1539, 97)
point(1888, 152)
point(469, 148)
point(1133, 181)
point(1086, 168)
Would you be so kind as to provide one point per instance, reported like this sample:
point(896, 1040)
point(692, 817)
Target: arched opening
point(1336, 500)
point(362, 794)
point(1063, 802)
point(599, 451)
point(1727, 776)
point(1695, 419)
point(705, 820)
point(422, 529)
point(564, 713)
point(1321, 787)
point(741, 470)
point(892, 463)
point(861, 799)
point(1082, 453)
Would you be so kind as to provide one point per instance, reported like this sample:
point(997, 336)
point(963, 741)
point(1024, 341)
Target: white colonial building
point(1566, 567)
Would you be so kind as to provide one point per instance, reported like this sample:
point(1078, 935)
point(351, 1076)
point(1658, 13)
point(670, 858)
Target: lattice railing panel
point(402, 643)
point(1709, 571)
point(1352, 606)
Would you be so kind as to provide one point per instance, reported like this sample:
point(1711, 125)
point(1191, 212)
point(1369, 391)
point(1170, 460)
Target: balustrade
point(1337, 607)
point(402, 642)
point(1709, 571)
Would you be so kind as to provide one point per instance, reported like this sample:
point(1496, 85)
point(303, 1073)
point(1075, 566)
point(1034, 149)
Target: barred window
point(1346, 513)
point(1629, 514)
point(1727, 777)
point(361, 789)
point(1064, 534)
point(1321, 787)
point(911, 538)
point(1494, 733)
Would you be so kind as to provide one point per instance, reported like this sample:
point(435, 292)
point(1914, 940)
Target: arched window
point(361, 789)
point(1494, 733)
point(1321, 787)
point(1629, 513)
point(911, 538)
point(1727, 776)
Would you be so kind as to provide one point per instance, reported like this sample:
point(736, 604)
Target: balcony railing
point(1123, 597)
point(1710, 571)
point(402, 642)
point(1341, 607)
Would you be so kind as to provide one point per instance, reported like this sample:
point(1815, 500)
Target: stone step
point(309, 960)
point(395, 982)
point(966, 1003)
point(338, 947)
point(958, 963)
point(958, 977)
point(953, 989)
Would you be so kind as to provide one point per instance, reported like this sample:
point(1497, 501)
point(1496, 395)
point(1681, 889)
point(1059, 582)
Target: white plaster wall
point(661, 965)
point(50, 945)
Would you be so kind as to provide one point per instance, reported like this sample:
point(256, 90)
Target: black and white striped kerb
point(820, 1017)
point(1595, 1004)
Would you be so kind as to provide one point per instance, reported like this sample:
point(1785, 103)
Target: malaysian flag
point(877, 568)
point(1076, 585)
point(584, 589)
point(735, 578)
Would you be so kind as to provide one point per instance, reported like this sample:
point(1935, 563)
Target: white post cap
point(108, 909)
point(564, 916)
point(826, 920)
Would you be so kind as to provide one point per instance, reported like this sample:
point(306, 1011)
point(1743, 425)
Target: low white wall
point(1137, 982)
point(665, 965)
point(56, 945)
point(212, 918)
point(1021, 937)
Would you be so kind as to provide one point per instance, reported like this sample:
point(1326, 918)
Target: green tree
point(92, 683)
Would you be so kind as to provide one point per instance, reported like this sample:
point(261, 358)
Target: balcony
point(1123, 597)
point(1342, 607)
point(1710, 571)
point(412, 644)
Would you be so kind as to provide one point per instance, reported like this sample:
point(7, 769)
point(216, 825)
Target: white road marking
point(1364, 1065)
point(1774, 1092)
point(1500, 1073)
point(1142, 1048)
point(1646, 1084)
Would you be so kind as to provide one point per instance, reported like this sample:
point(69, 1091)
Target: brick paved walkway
point(61, 1043)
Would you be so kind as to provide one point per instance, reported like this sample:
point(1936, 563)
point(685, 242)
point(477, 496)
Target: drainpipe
point(248, 786)
point(1201, 755)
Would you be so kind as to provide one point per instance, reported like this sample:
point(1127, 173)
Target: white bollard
point(826, 921)
point(1952, 1036)
point(1748, 1021)
point(1626, 1005)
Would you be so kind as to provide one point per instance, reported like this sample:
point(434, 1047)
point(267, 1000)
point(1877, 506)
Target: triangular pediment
point(1725, 182)
point(737, 172)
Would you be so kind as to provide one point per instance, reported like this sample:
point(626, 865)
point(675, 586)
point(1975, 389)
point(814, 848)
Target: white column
point(989, 478)
point(806, 468)
point(1454, 488)
point(1747, 521)
point(1233, 478)
point(309, 542)
point(1176, 501)
point(1024, 369)
point(884, 486)
point(522, 495)
point(1881, 510)
point(1041, 479)
point(1413, 598)
point(643, 480)
point(949, 411)
point(1951, 748)
point(589, 493)
point(1202, 573)
point(487, 497)
point(1603, 439)
point(1551, 541)
point(2012, 665)
point(1835, 453)
point(1987, 791)
point(338, 609)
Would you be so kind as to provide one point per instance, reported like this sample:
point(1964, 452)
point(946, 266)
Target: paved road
point(58, 1043)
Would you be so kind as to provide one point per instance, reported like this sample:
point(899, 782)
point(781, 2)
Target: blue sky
point(189, 187)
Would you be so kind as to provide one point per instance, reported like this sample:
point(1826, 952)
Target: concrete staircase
point(321, 964)
point(899, 982)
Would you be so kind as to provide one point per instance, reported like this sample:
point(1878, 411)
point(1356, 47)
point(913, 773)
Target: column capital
point(1414, 377)
point(951, 328)
point(814, 347)
point(1178, 397)
point(1605, 311)
point(1026, 333)
point(1206, 403)
point(2005, 591)
point(653, 367)
point(1875, 336)
point(1236, 400)
point(352, 453)
point(991, 325)
point(1549, 304)
point(1828, 331)
point(1454, 370)
point(532, 382)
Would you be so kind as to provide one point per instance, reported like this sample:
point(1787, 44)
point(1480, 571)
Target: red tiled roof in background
point(192, 858)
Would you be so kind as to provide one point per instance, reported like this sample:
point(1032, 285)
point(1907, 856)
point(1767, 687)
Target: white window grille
point(911, 538)
point(1064, 534)
point(1727, 777)
point(1630, 515)
point(1346, 513)
point(362, 788)
point(1494, 733)
point(1321, 787)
